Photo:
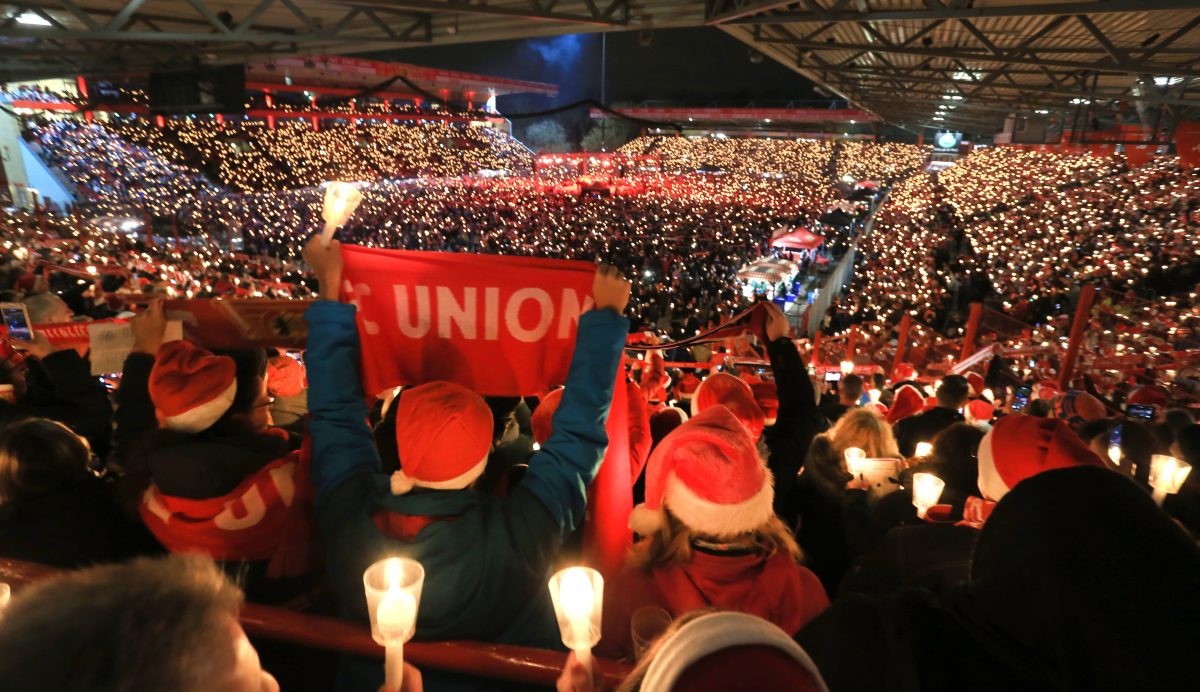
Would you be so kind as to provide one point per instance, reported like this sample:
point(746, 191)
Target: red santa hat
point(543, 416)
point(443, 434)
point(1019, 447)
point(1047, 389)
point(904, 372)
point(664, 421)
point(980, 411)
point(976, 383)
point(686, 388)
point(907, 402)
point(731, 651)
point(285, 377)
point(1149, 395)
point(707, 472)
point(735, 395)
point(767, 398)
point(191, 388)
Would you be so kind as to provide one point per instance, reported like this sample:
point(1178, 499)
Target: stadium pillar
point(816, 347)
point(81, 87)
point(851, 343)
point(902, 341)
point(972, 331)
point(1083, 313)
point(270, 104)
point(316, 123)
point(921, 138)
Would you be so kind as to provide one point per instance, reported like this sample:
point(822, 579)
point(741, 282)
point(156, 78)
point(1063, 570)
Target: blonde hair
point(671, 544)
point(867, 430)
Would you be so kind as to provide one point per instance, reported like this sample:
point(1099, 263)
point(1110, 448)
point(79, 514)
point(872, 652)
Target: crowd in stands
point(784, 538)
point(32, 92)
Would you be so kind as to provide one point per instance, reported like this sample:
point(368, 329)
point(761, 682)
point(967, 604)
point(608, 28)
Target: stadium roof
point(966, 64)
point(962, 64)
point(744, 116)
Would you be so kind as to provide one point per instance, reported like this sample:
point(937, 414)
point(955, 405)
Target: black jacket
point(923, 427)
point(797, 423)
point(61, 388)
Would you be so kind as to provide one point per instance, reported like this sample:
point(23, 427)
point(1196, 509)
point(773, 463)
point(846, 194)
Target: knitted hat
point(1149, 395)
point(731, 651)
point(904, 372)
point(1019, 447)
point(543, 416)
point(735, 395)
point(443, 434)
point(1077, 408)
point(285, 377)
point(191, 388)
point(709, 474)
point(767, 398)
point(907, 402)
point(976, 382)
point(686, 387)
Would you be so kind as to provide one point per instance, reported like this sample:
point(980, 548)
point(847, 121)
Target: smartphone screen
point(1143, 412)
point(1020, 398)
point(16, 320)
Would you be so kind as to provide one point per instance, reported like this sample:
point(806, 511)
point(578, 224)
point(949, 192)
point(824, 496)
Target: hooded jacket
point(774, 588)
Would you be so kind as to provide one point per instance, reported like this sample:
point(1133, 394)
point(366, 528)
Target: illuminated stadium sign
point(947, 141)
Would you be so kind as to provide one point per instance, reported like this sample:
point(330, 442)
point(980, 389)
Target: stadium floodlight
point(1167, 81)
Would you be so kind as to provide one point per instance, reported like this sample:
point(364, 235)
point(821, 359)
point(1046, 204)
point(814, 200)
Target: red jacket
point(776, 589)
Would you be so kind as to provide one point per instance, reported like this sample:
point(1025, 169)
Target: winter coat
point(797, 423)
point(1077, 583)
point(72, 527)
point(935, 557)
point(774, 588)
point(487, 559)
point(61, 388)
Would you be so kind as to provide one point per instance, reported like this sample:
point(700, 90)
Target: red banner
point(241, 323)
point(502, 326)
point(1187, 143)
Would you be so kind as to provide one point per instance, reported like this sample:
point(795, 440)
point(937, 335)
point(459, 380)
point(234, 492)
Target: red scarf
point(267, 517)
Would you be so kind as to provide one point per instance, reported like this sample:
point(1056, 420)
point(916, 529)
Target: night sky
point(697, 67)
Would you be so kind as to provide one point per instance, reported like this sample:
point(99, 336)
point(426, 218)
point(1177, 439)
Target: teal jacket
point(487, 566)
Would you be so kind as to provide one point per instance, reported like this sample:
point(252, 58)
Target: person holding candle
point(486, 558)
point(710, 536)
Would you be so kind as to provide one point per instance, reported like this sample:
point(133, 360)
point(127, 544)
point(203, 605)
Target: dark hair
point(955, 460)
point(149, 624)
point(38, 455)
point(251, 370)
point(1188, 440)
point(953, 391)
point(851, 387)
point(1039, 408)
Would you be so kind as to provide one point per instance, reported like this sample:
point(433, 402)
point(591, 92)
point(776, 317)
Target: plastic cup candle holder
point(1167, 475)
point(341, 199)
point(927, 490)
point(393, 588)
point(854, 460)
point(847, 367)
point(578, 597)
point(923, 450)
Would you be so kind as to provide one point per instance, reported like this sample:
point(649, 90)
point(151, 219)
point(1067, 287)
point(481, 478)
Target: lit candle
point(1166, 476)
point(847, 367)
point(924, 449)
point(393, 588)
point(874, 394)
point(577, 593)
point(927, 490)
point(854, 460)
point(341, 199)
point(5, 595)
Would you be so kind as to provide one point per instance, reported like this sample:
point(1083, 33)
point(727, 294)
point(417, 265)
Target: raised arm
point(559, 474)
point(799, 419)
point(342, 444)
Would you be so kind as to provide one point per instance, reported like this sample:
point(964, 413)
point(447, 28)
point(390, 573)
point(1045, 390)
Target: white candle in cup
point(874, 394)
point(927, 490)
point(1167, 475)
point(577, 593)
point(924, 449)
point(854, 460)
point(341, 199)
point(393, 588)
point(847, 367)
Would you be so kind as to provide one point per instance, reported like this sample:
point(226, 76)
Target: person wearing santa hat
point(710, 650)
point(486, 558)
point(1019, 447)
point(224, 482)
point(711, 536)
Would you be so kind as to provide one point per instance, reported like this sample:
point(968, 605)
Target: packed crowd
point(803, 513)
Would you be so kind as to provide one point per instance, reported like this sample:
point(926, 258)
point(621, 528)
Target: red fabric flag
point(501, 326)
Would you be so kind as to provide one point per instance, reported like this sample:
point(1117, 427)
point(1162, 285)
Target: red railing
point(493, 661)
